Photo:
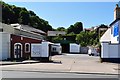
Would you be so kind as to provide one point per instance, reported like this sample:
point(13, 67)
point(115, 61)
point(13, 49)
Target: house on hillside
point(55, 33)
point(16, 40)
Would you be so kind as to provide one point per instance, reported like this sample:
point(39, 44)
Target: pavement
point(18, 62)
point(70, 63)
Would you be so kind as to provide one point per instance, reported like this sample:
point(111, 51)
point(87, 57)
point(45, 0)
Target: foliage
point(12, 14)
point(76, 28)
point(61, 29)
point(87, 38)
point(57, 38)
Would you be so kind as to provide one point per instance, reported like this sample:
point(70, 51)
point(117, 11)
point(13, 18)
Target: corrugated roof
point(27, 28)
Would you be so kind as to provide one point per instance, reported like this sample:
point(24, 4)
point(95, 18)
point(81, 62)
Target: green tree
point(31, 13)
point(87, 38)
point(7, 14)
point(70, 29)
point(13, 14)
point(17, 14)
point(57, 38)
point(76, 28)
point(24, 15)
point(61, 29)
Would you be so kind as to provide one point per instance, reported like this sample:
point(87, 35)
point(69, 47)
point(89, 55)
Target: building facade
point(110, 43)
point(16, 40)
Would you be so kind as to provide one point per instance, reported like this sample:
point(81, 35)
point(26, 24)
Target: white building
point(55, 33)
point(110, 43)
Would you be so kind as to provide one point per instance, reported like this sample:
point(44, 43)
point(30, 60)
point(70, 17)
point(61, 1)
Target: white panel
point(45, 49)
point(0, 46)
point(36, 50)
point(119, 50)
point(105, 50)
point(113, 51)
point(5, 44)
point(74, 48)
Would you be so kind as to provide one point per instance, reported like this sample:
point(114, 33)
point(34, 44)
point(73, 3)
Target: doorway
point(17, 50)
point(65, 48)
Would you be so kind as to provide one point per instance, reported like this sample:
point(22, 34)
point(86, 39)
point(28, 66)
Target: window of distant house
point(27, 47)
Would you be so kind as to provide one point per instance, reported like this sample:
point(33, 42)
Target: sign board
point(36, 50)
point(116, 29)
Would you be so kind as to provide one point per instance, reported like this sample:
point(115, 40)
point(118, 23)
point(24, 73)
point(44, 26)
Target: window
point(54, 49)
point(27, 47)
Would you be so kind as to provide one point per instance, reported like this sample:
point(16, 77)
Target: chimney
point(117, 12)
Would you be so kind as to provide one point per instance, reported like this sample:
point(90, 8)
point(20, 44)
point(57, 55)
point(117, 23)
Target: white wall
point(110, 50)
point(5, 46)
point(36, 50)
point(114, 39)
point(104, 50)
point(74, 48)
point(113, 51)
point(40, 49)
point(45, 49)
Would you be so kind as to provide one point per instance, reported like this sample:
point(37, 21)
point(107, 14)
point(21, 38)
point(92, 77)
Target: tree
point(70, 29)
point(76, 28)
point(86, 38)
point(57, 38)
point(61, 29)
point(31, 13)
point(12, 14)
point(25, 17)
point(7, 14)
point(17, 14)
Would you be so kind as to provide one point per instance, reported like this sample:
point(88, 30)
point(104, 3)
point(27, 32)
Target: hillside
point(13, 14)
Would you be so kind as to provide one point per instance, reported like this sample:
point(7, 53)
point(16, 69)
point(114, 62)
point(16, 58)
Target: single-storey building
point(16, 40)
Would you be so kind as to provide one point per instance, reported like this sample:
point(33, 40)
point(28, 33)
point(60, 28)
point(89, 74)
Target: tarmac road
point(23, 74)
point(63, 66)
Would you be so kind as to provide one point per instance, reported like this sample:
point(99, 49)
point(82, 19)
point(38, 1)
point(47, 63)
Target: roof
point(56, 33)
point(114, 21)
point(106, 36)
point(27, 28)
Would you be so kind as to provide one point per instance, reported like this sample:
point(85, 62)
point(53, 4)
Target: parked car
point(93, 52)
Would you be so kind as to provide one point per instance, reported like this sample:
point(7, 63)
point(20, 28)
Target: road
point(24, 74)
point(63, 66)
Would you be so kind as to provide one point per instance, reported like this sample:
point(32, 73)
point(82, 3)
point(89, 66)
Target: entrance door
point(17, 50)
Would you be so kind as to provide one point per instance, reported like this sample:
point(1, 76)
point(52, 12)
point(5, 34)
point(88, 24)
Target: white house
point(110, 43)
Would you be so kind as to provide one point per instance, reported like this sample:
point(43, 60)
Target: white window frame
point(25, 48)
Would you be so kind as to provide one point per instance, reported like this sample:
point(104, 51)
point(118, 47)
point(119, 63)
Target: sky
point(64, 14)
